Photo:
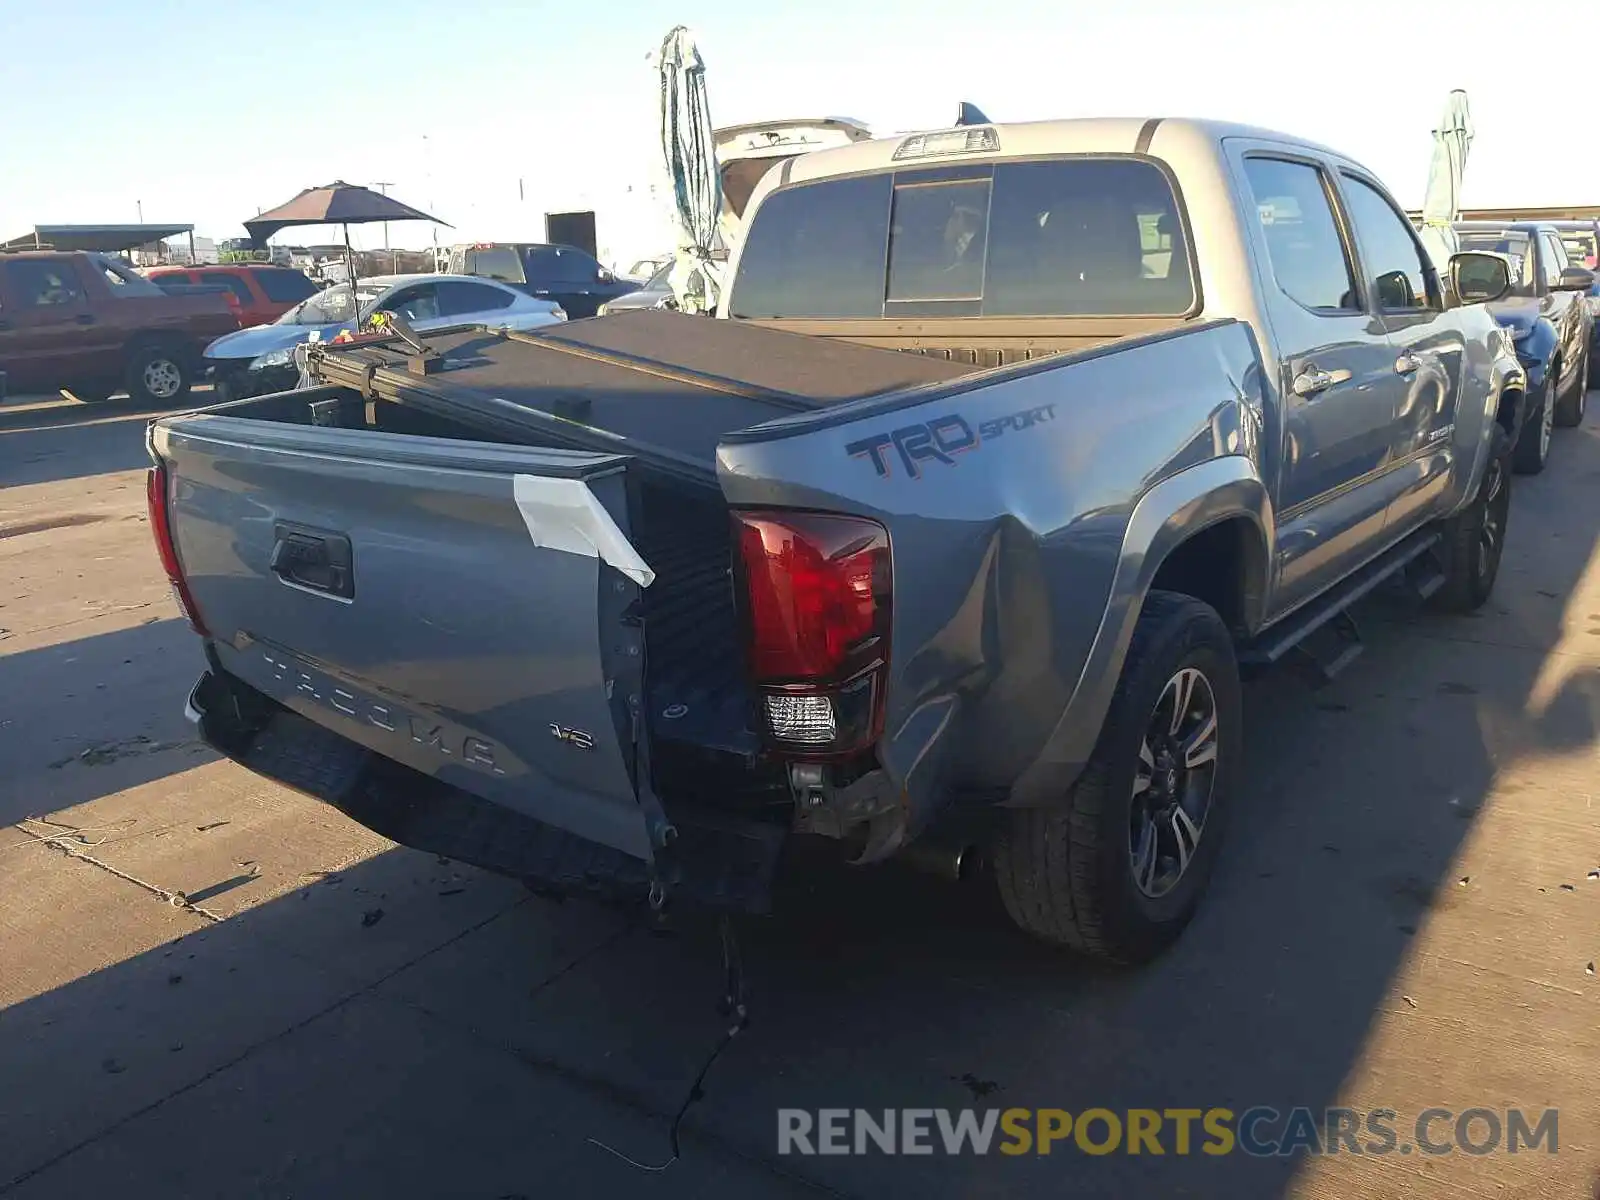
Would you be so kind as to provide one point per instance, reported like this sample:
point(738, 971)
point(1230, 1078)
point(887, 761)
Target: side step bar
point(1324, 629)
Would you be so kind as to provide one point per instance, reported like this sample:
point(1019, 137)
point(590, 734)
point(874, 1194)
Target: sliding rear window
point(1058, 237)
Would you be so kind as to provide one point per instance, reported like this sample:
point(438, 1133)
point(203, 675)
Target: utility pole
point(383, 189)
point(139, 204)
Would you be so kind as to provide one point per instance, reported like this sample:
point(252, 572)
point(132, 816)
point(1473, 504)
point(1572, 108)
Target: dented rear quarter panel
point(1011, 498)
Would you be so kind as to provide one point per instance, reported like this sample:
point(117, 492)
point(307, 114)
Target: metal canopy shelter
point(110, 239)
point(1575, 212)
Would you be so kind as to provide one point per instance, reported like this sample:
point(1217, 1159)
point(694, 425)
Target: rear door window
point(1060, 237)
point(1309, 260)
point(568, 265)
point(285, 287)
point(458, 299)
point(239, 288)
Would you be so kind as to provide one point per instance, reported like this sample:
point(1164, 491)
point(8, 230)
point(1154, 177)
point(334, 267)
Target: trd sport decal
point(940, 439)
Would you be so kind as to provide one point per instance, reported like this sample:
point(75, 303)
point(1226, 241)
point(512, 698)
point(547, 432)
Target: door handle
point(1407, 364)
point(1313, 380)
point(85, 318)
point(313, 559)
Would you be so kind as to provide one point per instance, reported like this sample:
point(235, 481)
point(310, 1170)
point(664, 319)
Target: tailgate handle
point(313, 559)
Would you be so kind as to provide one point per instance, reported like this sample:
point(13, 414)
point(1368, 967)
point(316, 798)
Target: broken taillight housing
point(158, 496)
point(817, 592)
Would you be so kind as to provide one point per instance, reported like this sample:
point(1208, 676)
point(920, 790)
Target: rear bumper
point(717, 863)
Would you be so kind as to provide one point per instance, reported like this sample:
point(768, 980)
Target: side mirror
point(1479, 278)
point(1575, 279)
point(606, 276)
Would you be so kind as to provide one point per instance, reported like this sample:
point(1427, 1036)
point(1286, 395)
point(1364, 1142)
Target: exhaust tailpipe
point(952, 861)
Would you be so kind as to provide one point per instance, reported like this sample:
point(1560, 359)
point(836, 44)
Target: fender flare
point(1540, 347)
point(1167, 515)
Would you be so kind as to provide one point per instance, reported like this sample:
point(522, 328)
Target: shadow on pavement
point(68, 440)
point(87, 718)
point(467, 1040)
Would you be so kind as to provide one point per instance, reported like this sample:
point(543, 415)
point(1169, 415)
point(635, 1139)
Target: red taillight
point(161, 530)
point(817, 601)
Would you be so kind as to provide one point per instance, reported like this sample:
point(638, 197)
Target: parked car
point(745, 153)
point(1549, 320)
point(656, 293)
point(989, 546)
point(91, 325)
point(644, 268)
point(254, 361)
point(566, 275)
point(1582, 241)
point(263, 293)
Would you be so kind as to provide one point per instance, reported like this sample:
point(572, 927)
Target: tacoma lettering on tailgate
point(445, 740)
point(940, 439)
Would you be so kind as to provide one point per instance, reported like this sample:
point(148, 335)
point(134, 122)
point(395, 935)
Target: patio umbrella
point(1441, 204)
point(337, 203)
point(689, 146)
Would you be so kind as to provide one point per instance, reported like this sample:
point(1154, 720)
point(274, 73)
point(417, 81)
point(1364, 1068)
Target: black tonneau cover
point(662, 380)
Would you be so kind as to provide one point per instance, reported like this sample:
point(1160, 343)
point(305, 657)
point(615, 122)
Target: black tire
point(1474, 539)
point(158, 374)
point(1067, 873)
point(1533, 443)
point(1571, 407)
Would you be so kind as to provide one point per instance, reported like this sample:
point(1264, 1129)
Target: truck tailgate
point(455, 606)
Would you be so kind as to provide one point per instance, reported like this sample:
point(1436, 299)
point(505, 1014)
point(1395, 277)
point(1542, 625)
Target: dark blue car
point(1547, 313)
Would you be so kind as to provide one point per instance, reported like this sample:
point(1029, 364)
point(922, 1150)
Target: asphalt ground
point(1407, 917)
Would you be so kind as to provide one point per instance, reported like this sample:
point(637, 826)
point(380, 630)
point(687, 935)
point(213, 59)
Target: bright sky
point(488, 113)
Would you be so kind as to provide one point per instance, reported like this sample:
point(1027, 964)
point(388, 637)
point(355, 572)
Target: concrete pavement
point(1405, 917)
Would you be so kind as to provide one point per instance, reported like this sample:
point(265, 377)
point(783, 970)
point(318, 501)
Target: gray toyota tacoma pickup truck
point(1012, 447)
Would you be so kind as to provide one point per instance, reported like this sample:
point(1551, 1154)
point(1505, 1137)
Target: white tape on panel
point(563, 514)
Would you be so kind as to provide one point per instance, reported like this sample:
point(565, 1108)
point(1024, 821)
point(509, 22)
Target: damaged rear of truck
point(625, 605)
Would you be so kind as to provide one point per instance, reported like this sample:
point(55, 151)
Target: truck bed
point(665, 381)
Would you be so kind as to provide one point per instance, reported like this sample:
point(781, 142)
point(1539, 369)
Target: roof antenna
point(971, 114)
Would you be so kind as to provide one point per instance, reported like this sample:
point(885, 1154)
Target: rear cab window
point(1081, 236)
point(497, 262)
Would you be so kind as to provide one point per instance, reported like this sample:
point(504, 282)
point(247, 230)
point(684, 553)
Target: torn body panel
point(1006, 498)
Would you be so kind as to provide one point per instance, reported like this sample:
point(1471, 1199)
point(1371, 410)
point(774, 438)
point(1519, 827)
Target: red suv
point(259, 294)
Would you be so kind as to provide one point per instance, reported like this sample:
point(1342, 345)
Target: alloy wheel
point(162, 379)
point(1173, 783)
point(1492, 531)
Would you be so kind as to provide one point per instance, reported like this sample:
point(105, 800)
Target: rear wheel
point(1570, 409)
point(157, 374)
point(1533, 443)
point(1119, 868)
point(1474, 539)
